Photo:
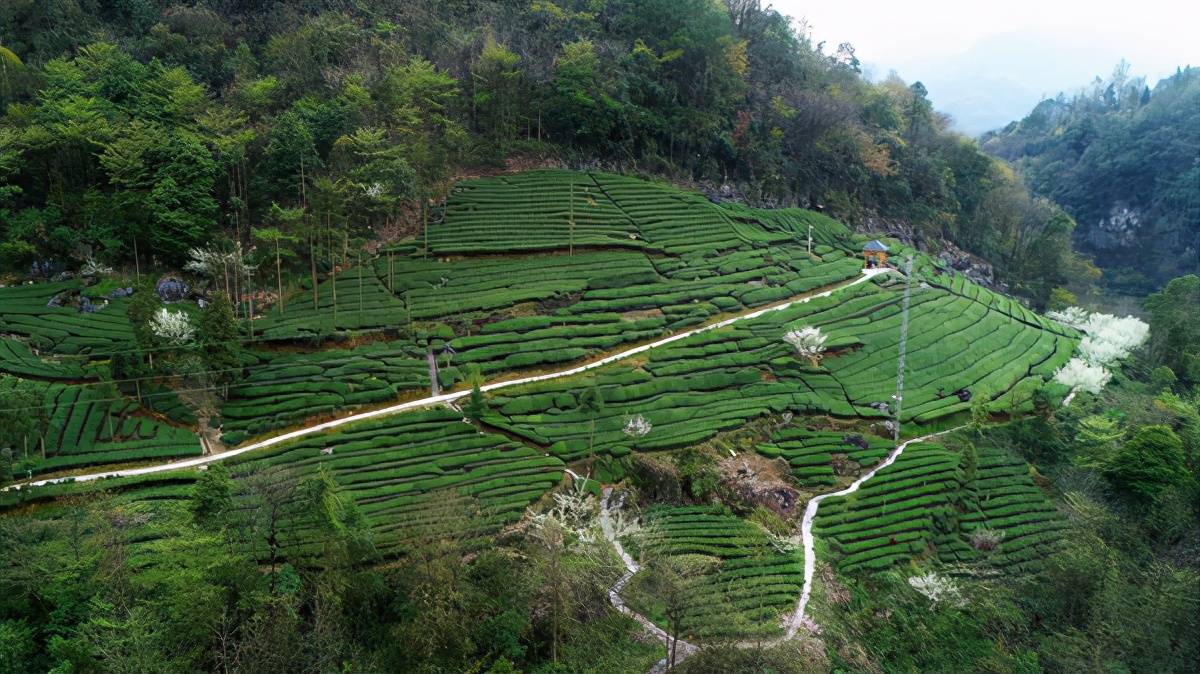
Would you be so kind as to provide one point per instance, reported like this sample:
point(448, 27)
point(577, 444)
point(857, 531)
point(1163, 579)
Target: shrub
point(986, 540)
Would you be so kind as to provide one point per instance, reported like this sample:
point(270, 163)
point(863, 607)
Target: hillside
point(594, 336)
point(1120, 157)
point(185, 125)
point(642, 261)
point(539, 272)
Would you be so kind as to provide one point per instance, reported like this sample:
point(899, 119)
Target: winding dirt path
point(794, 621)
point(431, 401)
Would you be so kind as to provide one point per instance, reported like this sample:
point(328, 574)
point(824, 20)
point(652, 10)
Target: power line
point(247, 340)
point(899, 396)
point(103, 400)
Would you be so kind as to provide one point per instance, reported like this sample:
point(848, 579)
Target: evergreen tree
point(219, 342)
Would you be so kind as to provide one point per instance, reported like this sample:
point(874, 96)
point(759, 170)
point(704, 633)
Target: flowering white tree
point(229, 266)
point(1075, 317)
point(92, 267)
point(172, 326)
point(937, 588)
point(637, 426)
point(1107, 339)
point(808, 341)
point(1078, 373)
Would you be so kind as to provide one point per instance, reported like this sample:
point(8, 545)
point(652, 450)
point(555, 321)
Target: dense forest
point(177, 124)
point(1121, 158)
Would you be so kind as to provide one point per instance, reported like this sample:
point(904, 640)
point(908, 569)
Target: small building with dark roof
point(875, 253)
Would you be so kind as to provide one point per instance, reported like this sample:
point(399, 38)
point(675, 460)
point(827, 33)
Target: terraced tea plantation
point(744, 583)
point(355, 300)
point(25, 312)
point(392, 466)
point(283, 388)
point(88, 426)
point(929, 504)
point(891, 517)
point(18, 359)
point(718, 380)
point(543, 271)
point(1008, 523)
point(811, 453)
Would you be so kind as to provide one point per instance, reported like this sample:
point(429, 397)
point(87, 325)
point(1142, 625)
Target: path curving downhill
point(810, 514)
point(431, 401)
point(794, 621)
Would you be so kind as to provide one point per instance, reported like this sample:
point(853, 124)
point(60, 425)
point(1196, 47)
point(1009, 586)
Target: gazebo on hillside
point(875, 253)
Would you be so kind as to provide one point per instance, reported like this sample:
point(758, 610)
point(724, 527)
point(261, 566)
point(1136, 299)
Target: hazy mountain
point(1003, 76)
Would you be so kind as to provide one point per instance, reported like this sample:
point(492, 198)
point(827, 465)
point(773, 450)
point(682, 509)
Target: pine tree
point(218, 341)
point(476, 404)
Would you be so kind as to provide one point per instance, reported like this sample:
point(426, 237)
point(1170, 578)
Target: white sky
point(1040, 46)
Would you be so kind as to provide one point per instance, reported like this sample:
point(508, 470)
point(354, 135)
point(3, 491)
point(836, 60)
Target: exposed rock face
point(756, 480)
point(1118, 230)
point(171, 289)
point(973, 267)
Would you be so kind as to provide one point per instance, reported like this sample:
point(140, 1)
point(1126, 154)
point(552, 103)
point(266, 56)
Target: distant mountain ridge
point(1124, 160)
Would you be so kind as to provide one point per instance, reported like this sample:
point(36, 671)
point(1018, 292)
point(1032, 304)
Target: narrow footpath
point(796, 619)
point(445, 398)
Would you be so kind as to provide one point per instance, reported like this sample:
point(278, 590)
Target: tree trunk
point(312, 269)
point(425, 227)
point(333, 282)
point(278, 278)
point(408, 311)
point(302, 195)
point(250, 302)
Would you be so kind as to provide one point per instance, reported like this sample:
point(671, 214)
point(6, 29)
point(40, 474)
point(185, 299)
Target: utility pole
point(898, 398)
point(810, 239)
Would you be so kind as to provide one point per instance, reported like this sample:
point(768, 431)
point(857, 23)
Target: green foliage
point(984, 634)
point(212, 497)
point(1174, 332)
point(1113, 155)
point(476, 405)
point(218, 341)
point(1149, 462)
point(22, 415)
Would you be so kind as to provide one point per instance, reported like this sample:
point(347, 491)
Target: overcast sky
point(989, 62)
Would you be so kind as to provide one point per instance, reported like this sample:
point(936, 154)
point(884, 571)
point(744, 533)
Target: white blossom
point(986, 539)
point(173, 326)
point(1074, 317)
point(937, 588)
point(1079, 373)
point(1107, 339)
point(808, 341)
point(92, 267)
point(216, 263)
point(573, 511)
point(637, 426)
